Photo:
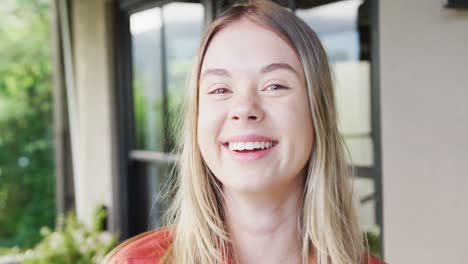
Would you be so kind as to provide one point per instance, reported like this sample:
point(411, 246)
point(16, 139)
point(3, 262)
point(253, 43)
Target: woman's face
point(255, 130)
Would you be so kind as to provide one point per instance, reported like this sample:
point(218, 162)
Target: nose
point(246, 108)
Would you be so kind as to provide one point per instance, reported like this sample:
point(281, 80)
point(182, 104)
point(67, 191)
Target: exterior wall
point(93, 91)
point(424, 106)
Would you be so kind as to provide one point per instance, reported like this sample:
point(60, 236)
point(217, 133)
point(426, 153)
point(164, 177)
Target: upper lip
point(248, 138)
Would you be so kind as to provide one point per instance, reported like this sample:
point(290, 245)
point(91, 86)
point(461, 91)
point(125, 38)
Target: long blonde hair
point(330, 230)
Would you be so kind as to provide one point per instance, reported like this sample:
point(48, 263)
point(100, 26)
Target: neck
point(265, 227)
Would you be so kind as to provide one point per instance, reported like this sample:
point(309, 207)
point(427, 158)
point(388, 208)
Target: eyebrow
point(278, 66)
point(267, 69)
point(217, 72)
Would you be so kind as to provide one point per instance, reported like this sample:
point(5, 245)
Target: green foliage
point(373, 239)
point(139, 111)
point(26, 150)
point(178, 75)
point(73, 242)
point(9, 251)
point(166, 125)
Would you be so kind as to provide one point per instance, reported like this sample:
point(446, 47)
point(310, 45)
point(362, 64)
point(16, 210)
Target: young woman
point(262, 176)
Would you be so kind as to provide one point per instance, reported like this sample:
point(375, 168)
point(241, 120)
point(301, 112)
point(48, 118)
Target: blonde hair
point(330, 230)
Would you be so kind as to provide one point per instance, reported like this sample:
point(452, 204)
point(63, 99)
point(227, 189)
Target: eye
point(220, 91)
point(275, 87)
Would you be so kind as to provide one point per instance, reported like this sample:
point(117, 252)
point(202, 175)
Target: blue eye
point(275, 87)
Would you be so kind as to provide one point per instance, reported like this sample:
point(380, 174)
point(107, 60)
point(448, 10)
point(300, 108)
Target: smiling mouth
point(252, 146)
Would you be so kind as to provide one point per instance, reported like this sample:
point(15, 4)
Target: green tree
point(26, 150)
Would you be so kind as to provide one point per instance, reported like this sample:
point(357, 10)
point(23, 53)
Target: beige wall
point(92, 80)
point(424, 104)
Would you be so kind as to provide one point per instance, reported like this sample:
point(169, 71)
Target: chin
point(245, 183)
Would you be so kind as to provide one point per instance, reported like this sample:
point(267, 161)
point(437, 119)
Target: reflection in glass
point(344, 29)
point(147, 79)
point(164, 41)
point(337, 26)
point(365, 201)
point(182, 32)
point(363, 196)
point(148, 203)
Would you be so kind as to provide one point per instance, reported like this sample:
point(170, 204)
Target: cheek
point(305, 130)
point(295, 122)
point(293, 116)
point(304, 121)
point(210, 121)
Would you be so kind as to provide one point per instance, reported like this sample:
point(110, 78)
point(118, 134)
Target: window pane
point(183, 29)
point(146, 195)
point(148, 93)
point(364, 197)
point(342, 28)
point(164, 41)
point(360, 150)
point(366, 204)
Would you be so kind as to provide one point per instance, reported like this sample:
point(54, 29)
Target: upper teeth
point(250, 145)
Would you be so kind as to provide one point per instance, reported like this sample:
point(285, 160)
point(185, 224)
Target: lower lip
point(250, 155)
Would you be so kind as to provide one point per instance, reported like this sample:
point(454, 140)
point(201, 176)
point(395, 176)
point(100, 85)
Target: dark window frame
point(125, 156)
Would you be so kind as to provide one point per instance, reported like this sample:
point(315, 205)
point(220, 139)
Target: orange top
point(145, 248)
point(149, 247)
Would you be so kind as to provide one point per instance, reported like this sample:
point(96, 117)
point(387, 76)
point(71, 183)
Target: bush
point(9, 251)
point(27, 184)
point(373, 240)
point(72, 242)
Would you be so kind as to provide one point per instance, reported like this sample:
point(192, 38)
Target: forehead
point(245, 45)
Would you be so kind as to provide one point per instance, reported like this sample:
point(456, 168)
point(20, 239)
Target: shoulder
point(374, 260)
point(148, 247)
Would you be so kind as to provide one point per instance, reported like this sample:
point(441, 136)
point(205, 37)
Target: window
point(164, 41)
point(344, 27)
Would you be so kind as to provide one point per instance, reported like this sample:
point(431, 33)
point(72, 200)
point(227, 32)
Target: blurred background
point(90, 91)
